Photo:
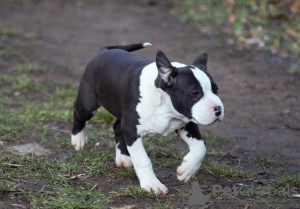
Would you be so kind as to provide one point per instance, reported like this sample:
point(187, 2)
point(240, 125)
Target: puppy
point(148, 97)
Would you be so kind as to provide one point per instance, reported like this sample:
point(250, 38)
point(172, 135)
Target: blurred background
point(253, 56)
point(271, 25)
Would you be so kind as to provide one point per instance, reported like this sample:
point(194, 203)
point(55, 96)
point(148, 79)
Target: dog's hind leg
point(79, 133)
point(122, 154)
point(85, 107)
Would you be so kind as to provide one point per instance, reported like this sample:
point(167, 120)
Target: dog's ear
point(201, 61)
point(166, 71)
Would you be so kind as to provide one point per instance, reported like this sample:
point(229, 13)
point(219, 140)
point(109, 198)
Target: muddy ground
point(262, 101)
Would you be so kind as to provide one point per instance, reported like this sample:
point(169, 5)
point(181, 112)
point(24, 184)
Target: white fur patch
point(143, 168)
point(160, 117)
point(80, 139)
point(122, 160)
point(147, 44)
point(192, 161)
point(202, 111)
point(178, 64)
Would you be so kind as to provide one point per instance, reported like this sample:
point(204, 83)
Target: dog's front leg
point(192, 161)
point(143, 166)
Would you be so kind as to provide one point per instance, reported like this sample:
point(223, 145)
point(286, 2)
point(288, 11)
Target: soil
point(261, 100)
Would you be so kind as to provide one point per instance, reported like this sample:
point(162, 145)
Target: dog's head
point(192, 90)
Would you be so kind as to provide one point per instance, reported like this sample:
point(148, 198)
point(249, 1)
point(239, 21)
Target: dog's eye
point(196, 94)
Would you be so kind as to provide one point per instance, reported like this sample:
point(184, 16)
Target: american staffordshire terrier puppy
point(148, 97)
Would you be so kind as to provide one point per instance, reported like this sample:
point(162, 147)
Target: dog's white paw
point(123, 160)
point(154, 185)
point(188, 168)
point(79, 140)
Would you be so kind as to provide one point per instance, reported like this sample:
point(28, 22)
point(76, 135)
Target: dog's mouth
point(194, 120)
point(217, 119)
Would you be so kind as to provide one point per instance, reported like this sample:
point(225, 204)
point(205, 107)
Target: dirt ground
point(261, 100)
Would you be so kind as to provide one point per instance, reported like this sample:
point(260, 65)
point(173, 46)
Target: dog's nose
point(217, 110)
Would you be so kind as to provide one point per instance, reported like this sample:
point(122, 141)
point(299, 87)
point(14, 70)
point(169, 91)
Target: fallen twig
point(93, 187)
point(15, 192)
point(12, 165)
point(18, 205)
point(24, 181)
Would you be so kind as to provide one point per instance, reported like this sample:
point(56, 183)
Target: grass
point(215, 152)
point(291, 179)
point(56, 178)
point(51, 178)
point(68, 196)
point(96, 162)
point(42, 111)
point(166, 156)
point(294, 70)
point(184, 191)
point(223, 171)
point(269, 25)
point(135, 192)
point(31, 67)
point(10, 53)
point(33, 35)
point(20, 116)
point(266, 160)
point(102, 116)
point(20, 83)
point(6, 32)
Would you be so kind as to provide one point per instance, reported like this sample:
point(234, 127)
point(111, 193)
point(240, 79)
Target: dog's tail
point(128, 48)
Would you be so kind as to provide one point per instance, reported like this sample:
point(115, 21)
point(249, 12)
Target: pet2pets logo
point(198, 198)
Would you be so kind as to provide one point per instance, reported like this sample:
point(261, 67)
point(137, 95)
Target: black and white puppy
point(148, 97)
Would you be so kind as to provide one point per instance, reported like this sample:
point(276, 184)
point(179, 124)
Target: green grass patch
point(96, 162)
point(63, 85)
point(124, 172)
point(20, 83)
point(294, 70)
point(103, 116)
point(269, 25)
point(56, 178)
point(68, 196)
point(31, 67)
point(65, 94)
point(291, 179)
point(135, 191)
point(184, 191)
point(266, 160)
point(215, 152)
point(10, 53)
point(213, 140)
point(39, 112)
point(166, 156)
point(33, 35)
point(223, 171)
point(163, 206)
point(6, 32)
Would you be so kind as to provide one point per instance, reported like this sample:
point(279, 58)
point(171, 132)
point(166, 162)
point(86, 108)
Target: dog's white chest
point(156, 112)
point(158, 123)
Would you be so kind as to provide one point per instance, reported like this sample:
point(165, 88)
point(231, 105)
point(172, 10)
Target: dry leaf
point(292, 32)
point(231, 19)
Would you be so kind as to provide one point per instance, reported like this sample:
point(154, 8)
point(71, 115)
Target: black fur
point(116, 89)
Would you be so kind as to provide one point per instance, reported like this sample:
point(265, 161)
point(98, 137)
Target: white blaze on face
point(202, 111)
